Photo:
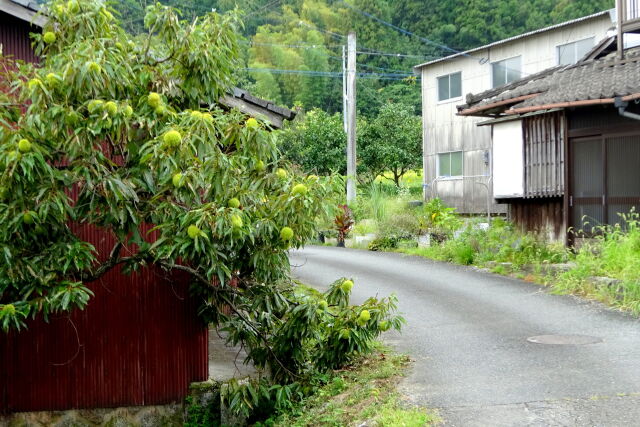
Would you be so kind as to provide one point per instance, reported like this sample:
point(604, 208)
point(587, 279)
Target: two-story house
point(457, 156)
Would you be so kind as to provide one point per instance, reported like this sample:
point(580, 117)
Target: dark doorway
point(605, 180)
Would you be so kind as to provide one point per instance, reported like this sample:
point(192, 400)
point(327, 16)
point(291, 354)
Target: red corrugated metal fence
point(139, 342)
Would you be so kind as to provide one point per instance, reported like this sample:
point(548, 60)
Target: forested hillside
point(294, 47)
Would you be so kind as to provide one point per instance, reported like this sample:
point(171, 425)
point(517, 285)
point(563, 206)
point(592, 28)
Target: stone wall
point(140, 416)
point(203, 398)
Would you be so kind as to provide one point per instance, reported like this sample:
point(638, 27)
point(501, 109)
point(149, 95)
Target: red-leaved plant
point(344, 223)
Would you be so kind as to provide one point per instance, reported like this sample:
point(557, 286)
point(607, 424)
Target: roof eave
point(484, 110)
point(24, 13)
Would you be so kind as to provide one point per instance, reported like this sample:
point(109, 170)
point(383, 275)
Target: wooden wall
point(542, 216)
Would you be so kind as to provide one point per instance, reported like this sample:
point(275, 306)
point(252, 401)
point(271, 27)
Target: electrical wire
point(331, 33)
point(426, 40)
point(403, 31)
point(332, 74)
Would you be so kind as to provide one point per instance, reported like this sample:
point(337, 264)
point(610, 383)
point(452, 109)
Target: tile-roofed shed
point(589, 82)
point(26, 10)
point(257, 107)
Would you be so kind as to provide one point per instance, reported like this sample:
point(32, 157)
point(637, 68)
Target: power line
point(332, 74)
point(402, 30)
point(295, 46)
point(397, 55)
point(426, 40)
point(331, 33)
point(266, 6)
point(337, 58)
point(319, 46)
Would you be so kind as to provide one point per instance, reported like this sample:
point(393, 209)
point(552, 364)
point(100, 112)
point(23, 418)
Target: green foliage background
point(459, 24)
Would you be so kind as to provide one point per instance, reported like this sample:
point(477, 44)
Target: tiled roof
point(29, 4)
point(26, 10)
point(599, 79)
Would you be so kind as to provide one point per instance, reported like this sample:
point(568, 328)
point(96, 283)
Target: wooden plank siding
point(543, 216)
point(544, 155)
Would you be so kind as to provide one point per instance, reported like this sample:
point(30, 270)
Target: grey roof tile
point(602, 78)
point(29, 4)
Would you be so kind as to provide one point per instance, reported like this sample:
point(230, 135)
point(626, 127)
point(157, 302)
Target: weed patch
point(362, 392)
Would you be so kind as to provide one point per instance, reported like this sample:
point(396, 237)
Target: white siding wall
point(444, 131)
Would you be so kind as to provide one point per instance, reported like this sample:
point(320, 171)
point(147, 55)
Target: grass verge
point(365, 392)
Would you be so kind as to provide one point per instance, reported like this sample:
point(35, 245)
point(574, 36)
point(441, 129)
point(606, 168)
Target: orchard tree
point(317, 143)
point(114, 136)
point(390, 142)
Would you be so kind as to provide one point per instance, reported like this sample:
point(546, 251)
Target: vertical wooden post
point(351, 117)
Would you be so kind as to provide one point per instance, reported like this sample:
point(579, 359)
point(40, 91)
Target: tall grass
point(614, 252)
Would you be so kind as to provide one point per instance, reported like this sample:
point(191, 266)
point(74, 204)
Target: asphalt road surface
point(467, 332)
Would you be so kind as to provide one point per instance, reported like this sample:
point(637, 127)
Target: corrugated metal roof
point(611, 12)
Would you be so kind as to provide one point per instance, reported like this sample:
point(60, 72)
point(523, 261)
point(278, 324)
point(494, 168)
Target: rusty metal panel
point(544, 155)
point(139, 342)
point(14, 38)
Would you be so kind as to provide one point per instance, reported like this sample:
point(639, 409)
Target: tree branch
point(113, 261)
point(217, 289)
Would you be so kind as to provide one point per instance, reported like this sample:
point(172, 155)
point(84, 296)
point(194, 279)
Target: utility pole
point(344, 88)
point(351, 117)
point(621, 17)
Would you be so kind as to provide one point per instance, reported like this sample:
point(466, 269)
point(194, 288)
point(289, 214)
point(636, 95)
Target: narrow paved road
point(468, 330)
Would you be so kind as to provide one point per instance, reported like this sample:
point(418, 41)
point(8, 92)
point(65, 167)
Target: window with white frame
point(506, 71)
point(450, 86)
point(571, 53)
point(450, 164)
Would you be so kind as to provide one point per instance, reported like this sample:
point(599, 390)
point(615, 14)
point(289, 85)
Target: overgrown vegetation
point(500, 242)
point(363, 392)
point(296, 337)
point(614, 253)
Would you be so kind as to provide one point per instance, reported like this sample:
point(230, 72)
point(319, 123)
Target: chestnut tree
point(119, 132)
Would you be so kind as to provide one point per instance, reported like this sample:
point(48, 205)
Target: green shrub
point(401, 225)
point(439, 220)
point(384, 243)
point(364, 227)
point(328, 332)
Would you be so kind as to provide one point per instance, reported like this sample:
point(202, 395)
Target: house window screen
point(506, 71)
point(571, 53)
point(588, 184)
point(450, 164)
point(623, 177)
point(450, 86)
